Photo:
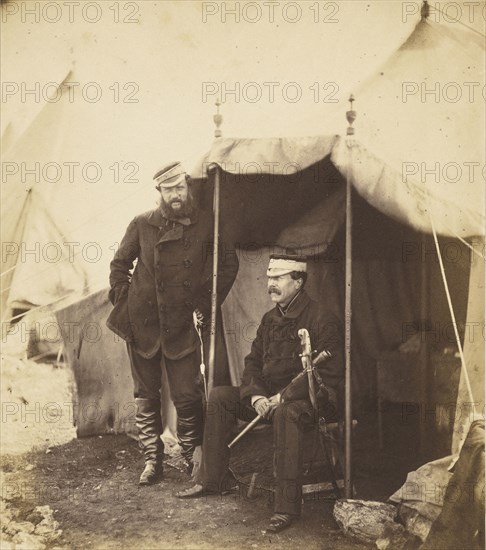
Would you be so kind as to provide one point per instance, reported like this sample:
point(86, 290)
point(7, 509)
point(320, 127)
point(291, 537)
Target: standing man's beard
point(185, 211)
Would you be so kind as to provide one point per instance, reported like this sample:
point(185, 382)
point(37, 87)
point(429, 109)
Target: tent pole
point(218, 119)
point(424, 356)
point(348, 414)
point(214, 292)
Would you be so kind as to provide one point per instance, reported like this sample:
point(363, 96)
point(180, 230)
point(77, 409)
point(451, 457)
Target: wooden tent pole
point(214, 291)
point(348, 414)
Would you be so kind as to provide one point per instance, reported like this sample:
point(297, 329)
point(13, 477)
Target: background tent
point(37, 267)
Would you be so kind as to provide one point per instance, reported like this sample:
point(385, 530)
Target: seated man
point(273, 363)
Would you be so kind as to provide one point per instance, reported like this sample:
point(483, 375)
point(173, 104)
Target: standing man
point(154, 303)
point(266, 390)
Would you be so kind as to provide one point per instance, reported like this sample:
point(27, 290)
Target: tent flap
point(276, 156)
point(410, 202)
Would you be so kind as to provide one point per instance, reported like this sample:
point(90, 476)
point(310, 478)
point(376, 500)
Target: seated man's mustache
point(275, 290)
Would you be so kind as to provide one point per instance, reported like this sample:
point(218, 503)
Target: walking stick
point(253, 423)
point(202, 366)
point(308, 369)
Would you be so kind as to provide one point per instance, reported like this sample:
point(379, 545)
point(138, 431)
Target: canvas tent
point(63, 207)
point(410, 163)
point(291, 193)
point(37, 267)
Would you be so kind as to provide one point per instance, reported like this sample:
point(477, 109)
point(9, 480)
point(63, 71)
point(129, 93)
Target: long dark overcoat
point(275, 359)
point(171, 278)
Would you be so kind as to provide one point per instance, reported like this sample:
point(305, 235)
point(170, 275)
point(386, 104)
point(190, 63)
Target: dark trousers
point(183, 376)
point(289, 421)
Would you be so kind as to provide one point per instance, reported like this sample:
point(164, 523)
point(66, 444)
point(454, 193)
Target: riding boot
point(149, 424)
point(190, 431)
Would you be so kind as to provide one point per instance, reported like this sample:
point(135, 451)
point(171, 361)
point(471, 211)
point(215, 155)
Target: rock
point(29, 467)
point(25, 526)
point(365, 520)
point(11, 528)
point(45, 510)
point(6, 544)
point(394, 537)
point(25, 541)
point(48, 527)
point(35, 517)
point(6, 516)
point(47, 532)
point(416, 523)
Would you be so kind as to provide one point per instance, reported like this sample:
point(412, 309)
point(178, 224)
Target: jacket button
point(187, 263)
point(145, 322)
point(187, 284)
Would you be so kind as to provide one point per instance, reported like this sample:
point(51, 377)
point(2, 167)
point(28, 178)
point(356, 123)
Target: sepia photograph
point(242, 274)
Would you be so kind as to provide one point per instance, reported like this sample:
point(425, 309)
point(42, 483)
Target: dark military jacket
point(172, 277)
point(275, 359)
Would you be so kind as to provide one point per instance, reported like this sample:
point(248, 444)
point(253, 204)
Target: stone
point(25, 541)
point(366, 521)
point(25, 526)
point(6, 544)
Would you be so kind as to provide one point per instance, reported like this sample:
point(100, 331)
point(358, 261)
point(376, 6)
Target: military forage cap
point(281, 264)
point(170, 175)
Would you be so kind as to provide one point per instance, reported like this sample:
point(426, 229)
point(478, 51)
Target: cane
point(243, 432)
point(202, 366)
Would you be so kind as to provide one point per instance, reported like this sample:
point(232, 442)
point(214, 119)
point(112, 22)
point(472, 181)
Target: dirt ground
point(91, 485)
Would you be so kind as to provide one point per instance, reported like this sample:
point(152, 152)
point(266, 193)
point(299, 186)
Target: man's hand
point(265, 407)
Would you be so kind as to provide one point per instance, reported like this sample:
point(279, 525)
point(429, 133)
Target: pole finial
point(425, 11)
point(218, 119)
point(350, 116)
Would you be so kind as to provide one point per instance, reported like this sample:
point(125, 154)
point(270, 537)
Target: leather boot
point(190, 431)
point(149, 424)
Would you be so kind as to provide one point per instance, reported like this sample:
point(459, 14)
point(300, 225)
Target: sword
point(202, 366)
point(307, 364)
point(308, 369)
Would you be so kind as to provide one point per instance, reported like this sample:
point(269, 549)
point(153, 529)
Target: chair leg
point(323, 438)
